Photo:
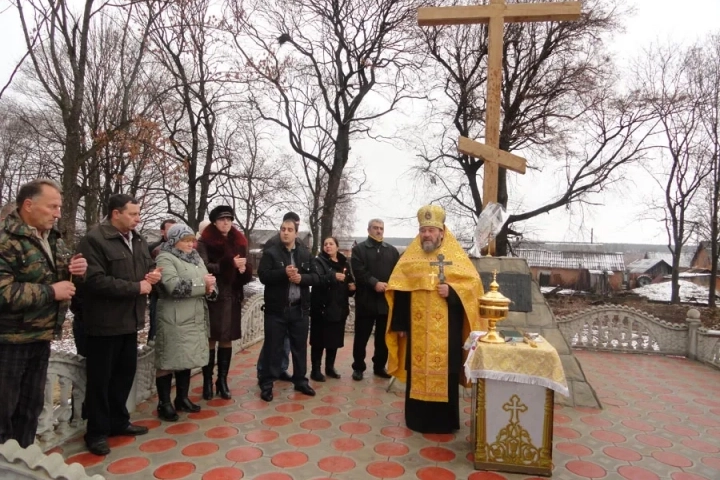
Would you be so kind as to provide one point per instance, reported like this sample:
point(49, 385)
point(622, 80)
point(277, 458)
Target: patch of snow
point(564, 291)
point(662, 292)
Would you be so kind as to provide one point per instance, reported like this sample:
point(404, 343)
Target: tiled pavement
point(661, 421)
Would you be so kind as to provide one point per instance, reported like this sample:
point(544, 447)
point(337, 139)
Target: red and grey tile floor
point(661, 422)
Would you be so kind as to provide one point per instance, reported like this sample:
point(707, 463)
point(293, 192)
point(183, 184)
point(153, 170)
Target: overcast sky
point(618, 217)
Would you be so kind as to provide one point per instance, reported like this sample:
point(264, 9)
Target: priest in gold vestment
point(433, 297)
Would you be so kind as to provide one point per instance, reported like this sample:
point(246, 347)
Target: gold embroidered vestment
point(429, 315)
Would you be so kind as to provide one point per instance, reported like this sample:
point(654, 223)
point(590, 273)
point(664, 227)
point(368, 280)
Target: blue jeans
point(284, 364)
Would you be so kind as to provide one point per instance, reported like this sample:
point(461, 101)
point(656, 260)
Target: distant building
point(646, 271)
point(702, 257)
point(630, 251)
point(588, 271)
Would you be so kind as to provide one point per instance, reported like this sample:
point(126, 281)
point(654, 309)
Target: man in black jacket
point(372, 263)
point(120, 276)
point(286, 271)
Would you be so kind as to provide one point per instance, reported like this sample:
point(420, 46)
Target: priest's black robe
point(433, 417)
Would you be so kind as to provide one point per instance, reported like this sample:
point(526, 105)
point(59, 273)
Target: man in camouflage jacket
point(35, 292)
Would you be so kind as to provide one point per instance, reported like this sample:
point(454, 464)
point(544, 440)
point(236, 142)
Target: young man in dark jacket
point(35, 292)
point(120, 276)
point(372, 263)
point(286, 271)
point(284, 375)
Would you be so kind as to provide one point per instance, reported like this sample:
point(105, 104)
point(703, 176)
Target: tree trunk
point(342, 149)
point(71, 193)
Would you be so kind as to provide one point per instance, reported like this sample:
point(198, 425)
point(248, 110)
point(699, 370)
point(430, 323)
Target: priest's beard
point(429, 246)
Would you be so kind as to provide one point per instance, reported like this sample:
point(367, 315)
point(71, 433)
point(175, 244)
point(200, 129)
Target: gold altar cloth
point(517, 363)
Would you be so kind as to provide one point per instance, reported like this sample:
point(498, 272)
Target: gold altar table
point(512, 408)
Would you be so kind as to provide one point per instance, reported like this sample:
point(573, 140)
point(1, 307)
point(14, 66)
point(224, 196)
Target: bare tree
point(705, 65)
point(315, 60)
point(258, 179)
point(57, 37)
point(558, 105)
point(188, 50)
point(665, 80)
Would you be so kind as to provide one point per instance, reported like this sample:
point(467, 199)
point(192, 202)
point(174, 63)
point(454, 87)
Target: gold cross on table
point(495, 15)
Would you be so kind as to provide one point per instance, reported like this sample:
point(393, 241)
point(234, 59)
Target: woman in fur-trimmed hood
point(224, 248)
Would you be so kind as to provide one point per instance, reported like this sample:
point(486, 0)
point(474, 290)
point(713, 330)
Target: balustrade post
point(45, 429)
point(693, 321)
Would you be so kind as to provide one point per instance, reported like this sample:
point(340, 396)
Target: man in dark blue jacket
point(287, 273)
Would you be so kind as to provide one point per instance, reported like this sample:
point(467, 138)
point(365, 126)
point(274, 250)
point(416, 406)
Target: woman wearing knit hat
point(224, 249)
point(181, 341)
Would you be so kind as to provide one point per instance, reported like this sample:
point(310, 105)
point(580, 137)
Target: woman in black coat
point(329, 309)
point(224, 248)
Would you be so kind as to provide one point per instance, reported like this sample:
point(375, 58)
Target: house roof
point(645, 264)
point(572, 260)
point(686, 256)
point(591, 247)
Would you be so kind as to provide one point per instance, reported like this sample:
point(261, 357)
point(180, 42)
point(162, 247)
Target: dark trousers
point(294, 325)
point(152, 313)
point(285, 358)
point(23, 371)
point(111, 363)
point(78, 328)
point(363, 329)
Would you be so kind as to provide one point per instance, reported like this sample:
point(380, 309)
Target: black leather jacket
point(271, 271)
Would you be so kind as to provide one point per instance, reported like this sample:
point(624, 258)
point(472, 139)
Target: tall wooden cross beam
point(495, 14)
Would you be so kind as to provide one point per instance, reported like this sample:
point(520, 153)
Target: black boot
point(182, 388)
point(207, 376)
point(223, 362)
point(316, 374)
point(315, 361)
point(330, 363)
point(165, 408)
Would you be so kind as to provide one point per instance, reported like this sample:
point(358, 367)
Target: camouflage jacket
point(28, 310)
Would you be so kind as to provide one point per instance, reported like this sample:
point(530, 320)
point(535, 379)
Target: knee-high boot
point(223, 362)
point(207, 376)
point(182, 388)
point(165, 407)
point(315, 362)
point(330, 355)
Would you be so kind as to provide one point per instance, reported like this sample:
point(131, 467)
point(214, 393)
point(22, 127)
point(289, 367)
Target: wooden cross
point(441, 263)
point(495, 15)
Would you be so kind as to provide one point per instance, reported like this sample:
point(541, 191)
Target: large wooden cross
point(495, 15)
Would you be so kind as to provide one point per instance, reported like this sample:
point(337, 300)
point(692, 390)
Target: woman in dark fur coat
point(329, 309)
point(224, 250)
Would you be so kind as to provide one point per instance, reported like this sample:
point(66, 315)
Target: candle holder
point(494, 307)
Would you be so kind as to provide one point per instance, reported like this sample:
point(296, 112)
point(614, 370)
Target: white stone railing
point(31, 464)
point(708, 347)
point(61, 420)
point(619, 328)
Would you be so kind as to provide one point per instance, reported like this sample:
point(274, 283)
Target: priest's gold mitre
point(431, 216)
point(429, 315)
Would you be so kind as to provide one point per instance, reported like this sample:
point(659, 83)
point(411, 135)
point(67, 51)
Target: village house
point(588, 271)
point(646, 271)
